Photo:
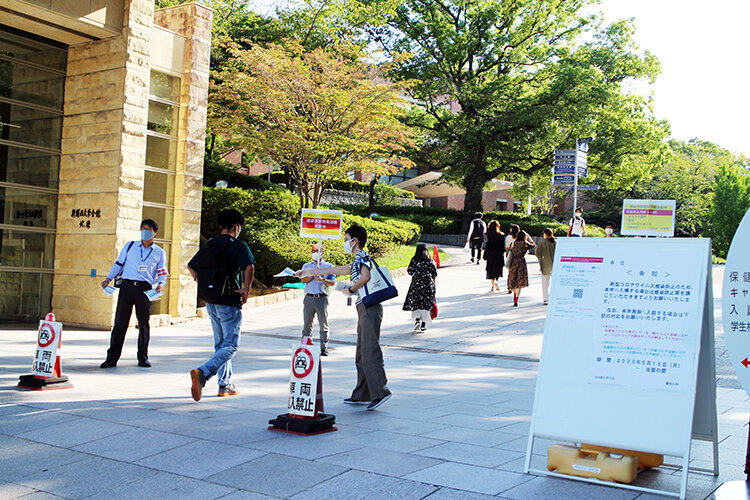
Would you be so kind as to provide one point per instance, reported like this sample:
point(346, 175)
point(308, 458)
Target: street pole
point(575, 180)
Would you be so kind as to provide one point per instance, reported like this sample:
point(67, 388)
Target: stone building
point(102, 123)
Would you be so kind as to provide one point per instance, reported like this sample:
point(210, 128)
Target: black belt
point(317, 295)
point(137, 283)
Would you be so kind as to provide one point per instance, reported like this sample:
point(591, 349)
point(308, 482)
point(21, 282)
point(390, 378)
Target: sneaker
point(350, 401)
point(472, 260)
point(374, 404)
point(228, 390)
point(198, 380)
point(423, 327)
point(416, 325)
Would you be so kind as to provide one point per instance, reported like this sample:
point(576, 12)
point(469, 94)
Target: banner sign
point(47, 349)
point(648, 217)
point(303, 380)
point(323, 224)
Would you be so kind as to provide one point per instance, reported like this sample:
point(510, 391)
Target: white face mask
point(317, 256)
point(609, 230)
point(578, 216)
point(348, 246)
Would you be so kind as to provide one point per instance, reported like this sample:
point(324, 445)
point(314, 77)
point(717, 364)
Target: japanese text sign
point(323, 224)
point(648, 217)
point(303, 380)
point(47, 349)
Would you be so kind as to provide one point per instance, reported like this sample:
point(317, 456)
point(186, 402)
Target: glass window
point(30, 126)
point(162, 118)
point(163, 217)
point(26, 249)
point(31, 84)
point(165, 86)
point(25, 295)
point(158, 188)
point(160, 152)
point(20, 207)
point(26, 49)
point(26, 166)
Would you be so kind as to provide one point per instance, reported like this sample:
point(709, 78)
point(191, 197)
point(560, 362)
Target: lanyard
point(147, 255)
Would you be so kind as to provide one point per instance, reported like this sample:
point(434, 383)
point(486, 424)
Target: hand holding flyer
point(109, 290)
point(153, 295)
point(345, 288)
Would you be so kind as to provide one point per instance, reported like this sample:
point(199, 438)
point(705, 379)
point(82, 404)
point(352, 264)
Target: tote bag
point(380, 287)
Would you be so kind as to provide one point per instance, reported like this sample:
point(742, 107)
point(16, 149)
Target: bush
point(214, 173)
point(272, 229)
point(385, 193)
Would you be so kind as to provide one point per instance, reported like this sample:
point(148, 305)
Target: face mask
point(608, 230)
point(348, 246)
point(316, 256)
point(146, 234)
point(578, 216)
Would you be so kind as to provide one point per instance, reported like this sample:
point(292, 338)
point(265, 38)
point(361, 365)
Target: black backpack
point(211, 264)
point(478, 230)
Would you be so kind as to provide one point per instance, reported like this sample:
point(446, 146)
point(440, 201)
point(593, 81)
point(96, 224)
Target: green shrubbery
point(386, 193)
point(213, 173)
point(272, 229)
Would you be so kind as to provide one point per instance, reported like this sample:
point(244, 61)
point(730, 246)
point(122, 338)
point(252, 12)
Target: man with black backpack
point(224, 269)
point(475, 238)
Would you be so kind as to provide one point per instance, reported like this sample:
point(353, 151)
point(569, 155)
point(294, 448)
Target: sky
point(704, 88)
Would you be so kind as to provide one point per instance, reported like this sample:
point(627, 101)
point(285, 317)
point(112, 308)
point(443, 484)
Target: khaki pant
point(545, 286)
point(371, 379)
point(310, 307)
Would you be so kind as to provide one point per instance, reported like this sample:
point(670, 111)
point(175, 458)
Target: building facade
point(102, 124)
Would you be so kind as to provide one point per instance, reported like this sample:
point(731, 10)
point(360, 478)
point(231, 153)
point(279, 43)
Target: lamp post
point(582, 145)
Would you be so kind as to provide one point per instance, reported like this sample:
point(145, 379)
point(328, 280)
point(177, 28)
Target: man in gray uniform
point(316, 298)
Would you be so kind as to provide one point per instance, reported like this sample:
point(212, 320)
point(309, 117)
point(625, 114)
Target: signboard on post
point(47, 349)
point(648, 217)
point(563, 179)
point(303, 380)
point(320, 224)
point(629, 332)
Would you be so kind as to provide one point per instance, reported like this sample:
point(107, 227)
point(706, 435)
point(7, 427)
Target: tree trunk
point(474, 184)
point(371, 194)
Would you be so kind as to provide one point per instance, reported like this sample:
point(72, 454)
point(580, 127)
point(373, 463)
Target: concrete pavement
point(456, 427)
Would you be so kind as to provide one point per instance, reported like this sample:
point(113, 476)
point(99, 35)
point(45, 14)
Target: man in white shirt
point(316, 298)
point(577, 226)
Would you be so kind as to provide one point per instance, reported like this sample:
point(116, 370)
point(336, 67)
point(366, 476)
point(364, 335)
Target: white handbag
point(380, 287)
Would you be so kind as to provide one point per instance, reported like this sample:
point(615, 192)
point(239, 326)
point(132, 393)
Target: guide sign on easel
point(628, 354)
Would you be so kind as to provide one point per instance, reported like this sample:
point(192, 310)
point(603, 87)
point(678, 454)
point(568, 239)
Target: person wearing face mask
point(316, 298)
point(577, 226)
point(609, 230)
point(371, 388)
point(141, 265)
point(226, 312)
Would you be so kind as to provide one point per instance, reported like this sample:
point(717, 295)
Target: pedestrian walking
point(493, 254)
point(421, 294)
point(224, 269)
point(609, 230)
point(577, 225)
point(545, 253)
point(371, 388)
point(475, 237)
point(315, 302)
point(140, 265)
point(518, 273)
point(512, 233)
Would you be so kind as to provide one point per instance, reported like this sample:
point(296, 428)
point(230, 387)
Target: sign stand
point(624, 363)
point(46, 374)
point(305, 403)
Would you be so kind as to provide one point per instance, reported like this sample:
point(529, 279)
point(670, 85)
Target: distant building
point(102, 123)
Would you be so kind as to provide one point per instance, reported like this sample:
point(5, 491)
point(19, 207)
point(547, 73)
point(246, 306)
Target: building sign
point(322, 224)
point(648, 217)
point(303, 380)
point(47, 349)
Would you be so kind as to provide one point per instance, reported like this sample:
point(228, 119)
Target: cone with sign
point(436, 256)
point(305, 404)
point(47, 367)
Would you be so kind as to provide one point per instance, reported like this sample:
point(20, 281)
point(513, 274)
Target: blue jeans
point(226, 321)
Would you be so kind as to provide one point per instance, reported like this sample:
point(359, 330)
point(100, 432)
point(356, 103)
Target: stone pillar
point(193, 21)
point(102, 164)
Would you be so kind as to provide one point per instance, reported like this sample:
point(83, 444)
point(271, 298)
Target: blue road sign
point(563, 179)
point(564, 170)
point(565, 152)
point(564, 162)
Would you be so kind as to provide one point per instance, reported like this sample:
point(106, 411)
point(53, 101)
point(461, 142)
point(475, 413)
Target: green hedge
point(272, 229)
point(382, 189)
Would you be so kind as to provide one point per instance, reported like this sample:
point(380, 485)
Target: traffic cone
point(293, 422)
point(436, 256)
point(47, 374)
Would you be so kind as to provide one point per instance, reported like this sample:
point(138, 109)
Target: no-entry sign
point(303, 381)
point(322, 224)
point(47, 349)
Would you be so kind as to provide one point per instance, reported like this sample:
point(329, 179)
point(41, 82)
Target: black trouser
point(131, 294)
point(476, 244)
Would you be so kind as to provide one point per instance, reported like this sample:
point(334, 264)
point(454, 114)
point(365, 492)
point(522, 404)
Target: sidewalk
point(456, 427)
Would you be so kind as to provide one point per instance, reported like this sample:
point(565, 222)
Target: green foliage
point(731, 201)
point(272, 229)
point(213, 173)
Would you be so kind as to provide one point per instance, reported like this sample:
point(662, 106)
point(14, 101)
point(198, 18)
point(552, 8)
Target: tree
point(318, 115)
point(503, 84)
point(731, 201)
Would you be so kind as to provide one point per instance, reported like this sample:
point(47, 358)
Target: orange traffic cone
point(436, 256)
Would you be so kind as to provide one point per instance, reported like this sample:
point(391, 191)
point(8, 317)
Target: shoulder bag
point(380, 287)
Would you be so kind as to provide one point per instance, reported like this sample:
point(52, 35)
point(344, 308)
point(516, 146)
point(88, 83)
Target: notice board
point(626, 324)
point(648, 218)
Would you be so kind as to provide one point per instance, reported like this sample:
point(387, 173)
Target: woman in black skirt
point(493, 254)
point(421, 294)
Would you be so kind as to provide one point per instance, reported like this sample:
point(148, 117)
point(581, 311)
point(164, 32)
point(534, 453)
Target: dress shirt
point(314, 286)
point(141, 263)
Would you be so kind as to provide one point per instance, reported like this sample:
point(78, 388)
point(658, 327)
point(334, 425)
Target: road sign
point(588, 187)
point(563, 179)
point(583, 171)
point(563, 170)
point(559, 152)
point(571, 161)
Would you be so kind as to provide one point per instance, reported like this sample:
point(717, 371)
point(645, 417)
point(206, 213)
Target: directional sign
point(563, 179)
point(583, 172)
point(559, 152)
point(564, 170)
point(588, 187)
point(563, 162)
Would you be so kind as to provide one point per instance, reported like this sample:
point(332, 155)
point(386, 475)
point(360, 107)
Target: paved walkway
point(456, 427)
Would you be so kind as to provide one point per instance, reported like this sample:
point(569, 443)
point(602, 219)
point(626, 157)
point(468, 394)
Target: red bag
point(434, 310)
